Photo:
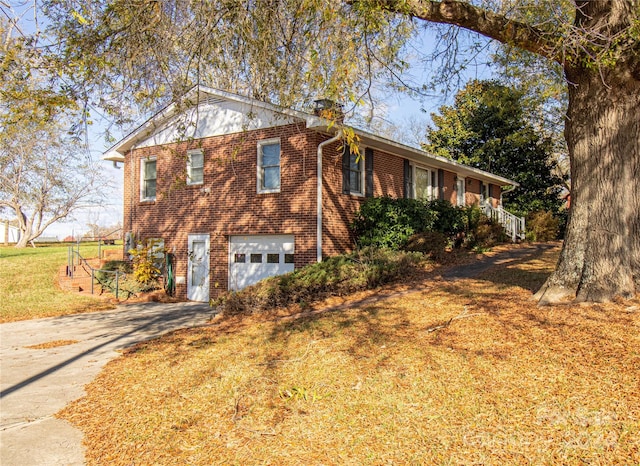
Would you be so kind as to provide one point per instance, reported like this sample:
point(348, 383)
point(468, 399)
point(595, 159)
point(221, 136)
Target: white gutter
point(319, 195)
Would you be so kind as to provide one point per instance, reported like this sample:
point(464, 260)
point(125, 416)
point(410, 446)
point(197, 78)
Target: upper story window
point(148, 180)
point(269, 166)
point(195, 167)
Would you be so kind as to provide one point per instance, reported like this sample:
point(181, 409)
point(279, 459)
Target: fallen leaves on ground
point(463, 372)
point(52, 344)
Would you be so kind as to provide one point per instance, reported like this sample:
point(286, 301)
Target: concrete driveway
point(37, 383)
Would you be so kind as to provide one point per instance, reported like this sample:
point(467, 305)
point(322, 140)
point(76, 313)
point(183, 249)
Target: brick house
point(230, 186)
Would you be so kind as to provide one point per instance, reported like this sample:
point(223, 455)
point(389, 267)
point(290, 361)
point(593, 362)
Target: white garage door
point(252, 258)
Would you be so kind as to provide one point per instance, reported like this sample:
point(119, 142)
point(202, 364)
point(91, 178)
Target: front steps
point(81, 280)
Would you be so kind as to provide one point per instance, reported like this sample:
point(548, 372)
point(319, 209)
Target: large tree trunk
point(600, 258)
point(25, 224)
point(23, 242)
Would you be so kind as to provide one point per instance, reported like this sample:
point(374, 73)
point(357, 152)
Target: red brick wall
point(339, 208)
point(472, 191)
point(495, 198)
point(232, 205)
point(450, 187)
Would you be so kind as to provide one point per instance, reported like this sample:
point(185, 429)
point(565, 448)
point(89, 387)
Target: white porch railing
point(513, 225)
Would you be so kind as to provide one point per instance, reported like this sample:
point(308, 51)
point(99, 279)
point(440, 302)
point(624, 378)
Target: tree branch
point(482, 21)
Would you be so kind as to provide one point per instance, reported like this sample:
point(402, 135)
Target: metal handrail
point(71, 255)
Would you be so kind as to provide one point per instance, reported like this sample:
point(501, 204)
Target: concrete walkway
point(37, 383)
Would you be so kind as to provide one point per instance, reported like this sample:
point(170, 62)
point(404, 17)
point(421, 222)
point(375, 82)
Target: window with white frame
point(195, 167)
point(356, 174)
point(269, 166)
point(424, 184)
point(484, 193)
point(148, 178)
point(460, 191)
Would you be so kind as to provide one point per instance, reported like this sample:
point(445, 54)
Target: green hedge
point(389, 223)
point(363, 269)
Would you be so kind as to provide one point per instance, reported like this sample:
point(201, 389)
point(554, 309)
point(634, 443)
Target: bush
point(108, 280)
point(127, 284)
point(120, 266)
point(542, 226)
point(146, 262)
point(474, 217)
point(486, 234)
point(389, 223)
point(432, 243)
point(338, 275)
point(448, 219)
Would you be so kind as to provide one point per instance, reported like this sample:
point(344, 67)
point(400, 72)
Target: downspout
point(506, 191)
point(319, 194)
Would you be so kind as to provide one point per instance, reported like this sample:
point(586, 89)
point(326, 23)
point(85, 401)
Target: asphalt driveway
point(37, 383)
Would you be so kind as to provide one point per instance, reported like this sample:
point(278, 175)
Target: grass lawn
point(28, 283)
point(466, 372)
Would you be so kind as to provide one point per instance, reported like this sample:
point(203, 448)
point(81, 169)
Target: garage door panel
point(253, 258)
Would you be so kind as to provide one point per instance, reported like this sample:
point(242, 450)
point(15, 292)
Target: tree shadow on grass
point(499, 297)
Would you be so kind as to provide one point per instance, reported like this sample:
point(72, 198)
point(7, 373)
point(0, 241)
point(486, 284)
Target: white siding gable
point(215, 118)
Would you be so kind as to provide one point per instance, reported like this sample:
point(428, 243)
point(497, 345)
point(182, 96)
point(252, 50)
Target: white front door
point(254, 257)
point(198, 268)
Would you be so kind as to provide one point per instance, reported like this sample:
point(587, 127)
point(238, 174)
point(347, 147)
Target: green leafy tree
point(487, 128)
point(287, 52)
point(45, 175)
point(596, 46)
point(544, 98)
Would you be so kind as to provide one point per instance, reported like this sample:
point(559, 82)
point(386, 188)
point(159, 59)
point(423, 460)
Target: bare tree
point(44, 178)
point(46, 170)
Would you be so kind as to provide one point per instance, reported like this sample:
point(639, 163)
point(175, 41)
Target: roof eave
point(117, 151)
point(415, 154)
point(113, 156)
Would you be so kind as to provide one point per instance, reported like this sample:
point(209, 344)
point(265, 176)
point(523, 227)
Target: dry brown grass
point(396, 381)
point(53, 344)
point(29, 283)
